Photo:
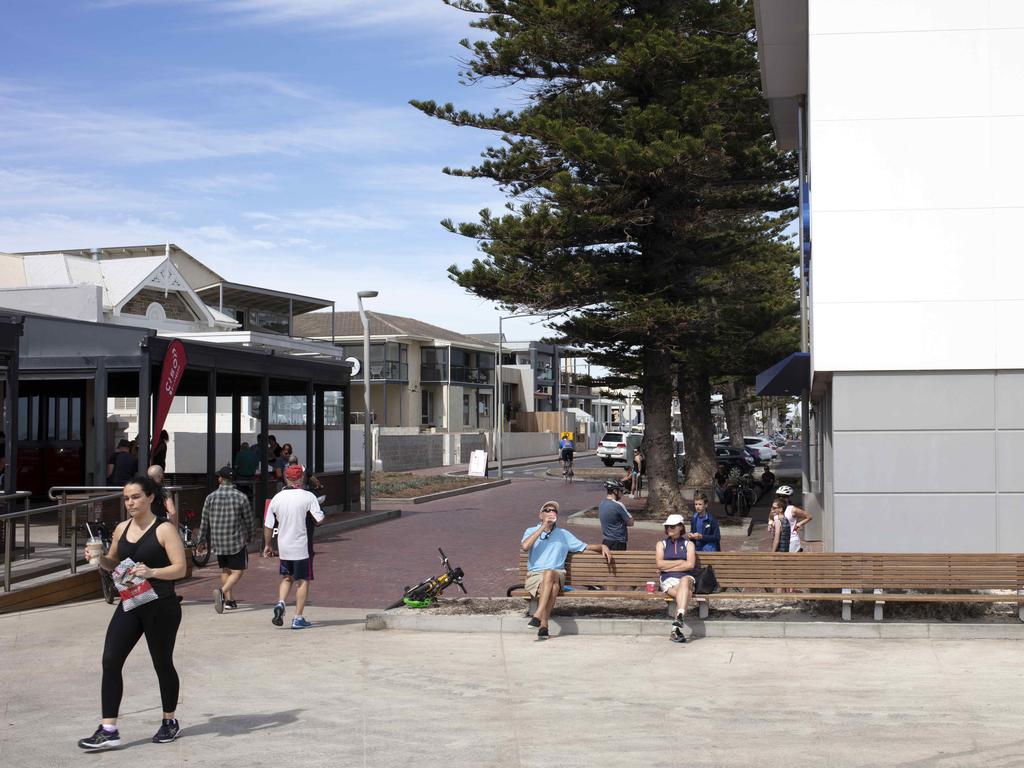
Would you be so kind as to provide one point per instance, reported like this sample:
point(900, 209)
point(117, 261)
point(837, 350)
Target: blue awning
point(790, 376)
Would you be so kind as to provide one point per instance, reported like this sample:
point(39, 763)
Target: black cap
point(226, 472)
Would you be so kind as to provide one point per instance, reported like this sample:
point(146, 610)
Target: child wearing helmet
point(615, 518)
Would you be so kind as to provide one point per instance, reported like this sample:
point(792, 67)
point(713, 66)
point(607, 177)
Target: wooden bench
point(845, 577)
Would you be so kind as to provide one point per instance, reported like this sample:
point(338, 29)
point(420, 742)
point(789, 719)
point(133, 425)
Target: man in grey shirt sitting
point(614, 516)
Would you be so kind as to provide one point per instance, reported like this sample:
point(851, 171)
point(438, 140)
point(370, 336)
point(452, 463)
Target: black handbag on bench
point(705, 581)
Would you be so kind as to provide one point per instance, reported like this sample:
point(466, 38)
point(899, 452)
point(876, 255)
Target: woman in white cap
point(676, 558)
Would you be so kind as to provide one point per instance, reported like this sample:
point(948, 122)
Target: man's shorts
point(236, 562)
point(672, 581)
point(534, 578)
point(300, 570)
point(567, 454)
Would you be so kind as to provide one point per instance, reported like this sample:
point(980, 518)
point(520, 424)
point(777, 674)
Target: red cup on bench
point(650, 587)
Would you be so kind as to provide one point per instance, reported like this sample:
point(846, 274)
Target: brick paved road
point(368, 567)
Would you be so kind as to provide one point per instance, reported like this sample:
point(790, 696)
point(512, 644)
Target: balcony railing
point(461, 374)
point(389, 370)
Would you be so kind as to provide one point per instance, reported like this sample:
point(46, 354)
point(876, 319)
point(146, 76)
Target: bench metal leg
point(879, 606)
point(670, 609)
point(532, 607)
point(847, 606)
point(705, 606)
point(1020, 606)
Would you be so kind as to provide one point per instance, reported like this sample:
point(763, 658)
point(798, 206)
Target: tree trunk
point(694, 388)
point(659, 454)
point(733, 396)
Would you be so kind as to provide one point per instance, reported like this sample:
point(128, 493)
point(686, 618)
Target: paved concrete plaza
point(336, 695)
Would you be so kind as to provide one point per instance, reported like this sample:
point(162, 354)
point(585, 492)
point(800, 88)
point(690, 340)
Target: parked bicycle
point(746, 494)
point(426, 592)
point(200, 549)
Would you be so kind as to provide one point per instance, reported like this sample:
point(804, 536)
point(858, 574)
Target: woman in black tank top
point(159, 556)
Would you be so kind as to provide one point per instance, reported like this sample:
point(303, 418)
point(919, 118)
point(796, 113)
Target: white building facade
point(908, 115)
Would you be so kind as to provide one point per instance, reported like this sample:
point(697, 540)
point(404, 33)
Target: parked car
point(759, 453)
point(617, 446)
point(761, 446)
point(734, 458)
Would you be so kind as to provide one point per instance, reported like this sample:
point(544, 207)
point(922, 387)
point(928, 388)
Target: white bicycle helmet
point(784, 490)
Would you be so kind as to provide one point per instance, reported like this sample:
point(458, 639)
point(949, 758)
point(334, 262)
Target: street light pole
point(501, 406)
point(367, 436)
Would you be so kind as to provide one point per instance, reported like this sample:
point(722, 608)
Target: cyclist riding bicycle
point(566, 447)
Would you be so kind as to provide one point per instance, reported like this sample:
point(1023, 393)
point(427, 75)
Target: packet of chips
point(134, 590)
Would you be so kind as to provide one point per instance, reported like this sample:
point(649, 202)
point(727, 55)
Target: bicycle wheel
point(107, 585)
point(743, 503)
point(201, 552)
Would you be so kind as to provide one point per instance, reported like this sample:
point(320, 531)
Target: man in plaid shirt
point(227, 516)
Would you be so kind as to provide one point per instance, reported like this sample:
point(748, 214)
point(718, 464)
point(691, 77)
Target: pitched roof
point(317, 325)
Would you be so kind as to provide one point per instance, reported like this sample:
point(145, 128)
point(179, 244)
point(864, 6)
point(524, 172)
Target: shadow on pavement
point(239, 725)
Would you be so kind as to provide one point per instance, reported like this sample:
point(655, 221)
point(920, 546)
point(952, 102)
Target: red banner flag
point(170, 377)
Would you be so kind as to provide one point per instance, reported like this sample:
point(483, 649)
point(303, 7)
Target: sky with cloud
point(272, 139)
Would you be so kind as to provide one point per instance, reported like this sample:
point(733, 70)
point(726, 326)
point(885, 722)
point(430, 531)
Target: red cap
point(293, 471)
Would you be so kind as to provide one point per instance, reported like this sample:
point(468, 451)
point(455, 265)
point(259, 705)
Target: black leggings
point(158, 621)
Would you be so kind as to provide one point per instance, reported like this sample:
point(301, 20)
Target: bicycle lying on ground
point(424, 593)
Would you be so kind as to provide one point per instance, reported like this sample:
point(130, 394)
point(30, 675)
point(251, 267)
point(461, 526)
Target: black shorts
point(567, 454)
point(236, 562)
point(615, 546)
point(300, 570)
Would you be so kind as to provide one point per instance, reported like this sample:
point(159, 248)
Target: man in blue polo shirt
point(548, 546)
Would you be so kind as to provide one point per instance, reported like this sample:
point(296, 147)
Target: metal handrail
point(26, 514)
point(66, 489)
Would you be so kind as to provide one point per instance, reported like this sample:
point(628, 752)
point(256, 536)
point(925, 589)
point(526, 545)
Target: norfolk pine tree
point(642, 138)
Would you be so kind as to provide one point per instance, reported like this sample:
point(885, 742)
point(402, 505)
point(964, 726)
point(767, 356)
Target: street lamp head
point(367, 294)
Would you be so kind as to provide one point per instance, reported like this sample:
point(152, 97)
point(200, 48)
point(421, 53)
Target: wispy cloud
point(68, 127)
point(340, 14)
point(225, 183)
point(339, 219)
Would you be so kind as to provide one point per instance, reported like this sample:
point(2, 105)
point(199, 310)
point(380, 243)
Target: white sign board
point(478, 464)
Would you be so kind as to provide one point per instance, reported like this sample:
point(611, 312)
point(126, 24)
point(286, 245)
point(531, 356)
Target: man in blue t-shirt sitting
point(548, 546)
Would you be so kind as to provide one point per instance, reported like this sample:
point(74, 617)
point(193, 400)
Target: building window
point(427, 407)
point(434, 364)
point(388, 361)
point(465, 410)
point(483, 405)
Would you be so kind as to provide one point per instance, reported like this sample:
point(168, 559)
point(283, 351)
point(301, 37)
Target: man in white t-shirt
point(289, 509)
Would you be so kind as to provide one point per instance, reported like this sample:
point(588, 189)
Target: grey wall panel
point(890, 401)
point(1010, 461)
point(923, 523)
point(907, 462)
point(1010, 522)
point(1010, 399)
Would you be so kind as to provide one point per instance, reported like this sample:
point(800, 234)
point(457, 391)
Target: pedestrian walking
point(163, 504)
point(615, 518)
point(289, 509)
point(147, 553)
point(228, 519)
point(639, 470)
